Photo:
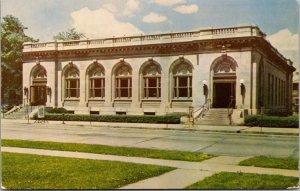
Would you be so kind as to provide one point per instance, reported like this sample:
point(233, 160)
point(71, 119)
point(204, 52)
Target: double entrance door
point(223, 94)
point(38, 95)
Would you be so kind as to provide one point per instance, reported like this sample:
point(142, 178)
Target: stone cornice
point(272, 54)
point(166, 49)
point(196, 42)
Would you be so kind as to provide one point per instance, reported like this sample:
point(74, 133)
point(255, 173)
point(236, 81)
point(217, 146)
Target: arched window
point(123, 81)
point(72, 85)
point(151, 81)
point(182, 80)
point(97, 82)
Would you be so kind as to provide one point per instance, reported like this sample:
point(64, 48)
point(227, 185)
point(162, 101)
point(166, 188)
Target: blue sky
point(107, 18)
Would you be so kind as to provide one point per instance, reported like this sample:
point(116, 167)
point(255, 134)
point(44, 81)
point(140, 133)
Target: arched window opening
point(97, 82)
point(123, 82)
point(182, 80)
point(72, 85)
point(152, 81)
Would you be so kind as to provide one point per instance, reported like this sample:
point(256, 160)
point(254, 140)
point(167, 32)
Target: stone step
point(20, 114)
point(214, 117)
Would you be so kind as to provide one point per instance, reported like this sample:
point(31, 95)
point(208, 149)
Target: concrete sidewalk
point(195, 171)
point(183, 127)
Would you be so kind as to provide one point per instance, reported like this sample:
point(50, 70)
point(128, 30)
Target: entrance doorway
point(38, 95)
point(224, 82)
point(223, 93)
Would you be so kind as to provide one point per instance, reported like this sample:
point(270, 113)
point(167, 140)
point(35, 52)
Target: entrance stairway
point(19, 114)
point(215, 116)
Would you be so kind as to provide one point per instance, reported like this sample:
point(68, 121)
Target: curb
point(240, 131)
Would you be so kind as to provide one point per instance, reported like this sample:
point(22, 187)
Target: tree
point(70, 34)
point(12, 39)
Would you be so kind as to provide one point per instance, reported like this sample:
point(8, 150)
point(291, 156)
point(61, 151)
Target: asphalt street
point(233, 144)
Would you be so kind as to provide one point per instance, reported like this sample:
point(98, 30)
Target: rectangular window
point(149, 113)
point(94, 112)
point(123, 87)
point(269, 89)
point(152, 87)
point(284, 90)
point(272, 90)
point(72, 88)
point(183, 86)
point(279, 91)
point(276, 92)
point(121, 113)
point(97, 88)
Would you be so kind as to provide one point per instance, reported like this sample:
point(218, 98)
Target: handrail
point(230, 110)
point(12, 110)
point(200, 112)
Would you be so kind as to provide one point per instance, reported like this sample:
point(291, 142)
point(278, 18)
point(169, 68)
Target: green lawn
point(24, 171)
point(228, 180)
point(270, 162)
point(110, 150)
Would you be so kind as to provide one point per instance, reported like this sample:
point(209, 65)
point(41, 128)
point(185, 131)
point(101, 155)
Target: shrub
point(170, 119)
point(57, 110)
point(271, 121)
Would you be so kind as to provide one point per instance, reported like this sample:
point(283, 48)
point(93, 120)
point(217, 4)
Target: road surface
point(233, 144)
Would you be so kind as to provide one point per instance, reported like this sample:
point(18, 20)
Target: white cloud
point(154, 18)
point(101, 23)
point(131, 7)
point(168, 2)
point(110, 7)
point(187, 9)
point(287, 44)
point(284, 40)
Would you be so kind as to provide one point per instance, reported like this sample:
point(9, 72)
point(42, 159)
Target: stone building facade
point(158, 74)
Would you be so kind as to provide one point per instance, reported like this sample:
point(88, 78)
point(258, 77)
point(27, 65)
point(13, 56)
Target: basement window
point(149, 113)
point(94, 112)
point(121, 113)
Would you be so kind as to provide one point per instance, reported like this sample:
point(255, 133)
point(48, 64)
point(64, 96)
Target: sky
point(107, 18)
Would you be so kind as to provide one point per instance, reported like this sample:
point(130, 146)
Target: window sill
point(71, 99)
point(151, 100)
point(96, 99)
point(182, 100)
point(123, 100)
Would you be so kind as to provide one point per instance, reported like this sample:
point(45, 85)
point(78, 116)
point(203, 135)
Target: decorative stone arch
point(95, 81)
point(181, 72)
point(223, 78)
point(98, 69)
point(150, 66)
point(179, 61)
point(68, 67)
point(150, 80)
point(223, 63)
point(38, 85)
point(122, 80)
point(38, 72)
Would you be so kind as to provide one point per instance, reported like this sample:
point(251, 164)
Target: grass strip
point(26, 171)
point(109, 150)
point(229, 180)
point(270, 162)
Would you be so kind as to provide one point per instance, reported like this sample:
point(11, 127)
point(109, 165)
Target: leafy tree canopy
point(70, 34)
point(12, 39)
